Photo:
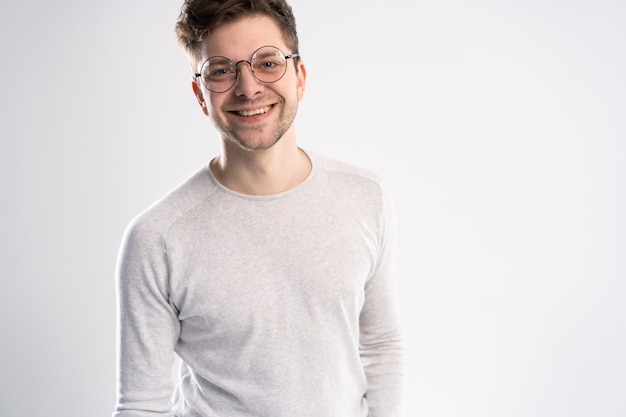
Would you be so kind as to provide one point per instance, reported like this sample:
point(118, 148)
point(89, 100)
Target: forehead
point(237, 40)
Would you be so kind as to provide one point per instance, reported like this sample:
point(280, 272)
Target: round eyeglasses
point(268, 64)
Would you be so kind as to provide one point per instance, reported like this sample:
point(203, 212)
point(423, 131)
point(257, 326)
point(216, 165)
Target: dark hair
point(200, 17)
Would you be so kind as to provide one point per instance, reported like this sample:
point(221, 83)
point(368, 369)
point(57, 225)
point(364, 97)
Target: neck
point(266, 172)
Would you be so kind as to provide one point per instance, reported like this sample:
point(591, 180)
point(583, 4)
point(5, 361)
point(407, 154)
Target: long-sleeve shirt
point(277, 306)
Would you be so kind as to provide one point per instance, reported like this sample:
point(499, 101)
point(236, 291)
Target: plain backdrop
point(499, 125)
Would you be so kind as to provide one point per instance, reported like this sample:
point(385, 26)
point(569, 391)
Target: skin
point(259, 155)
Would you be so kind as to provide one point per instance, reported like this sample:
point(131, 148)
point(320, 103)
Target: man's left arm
point(381, 343)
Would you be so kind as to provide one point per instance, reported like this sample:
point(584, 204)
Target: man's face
point(252, 114)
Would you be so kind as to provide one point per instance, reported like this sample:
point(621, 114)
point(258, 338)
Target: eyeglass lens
point(268, 64)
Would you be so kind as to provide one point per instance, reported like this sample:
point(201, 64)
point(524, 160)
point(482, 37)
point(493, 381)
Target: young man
point(270, 271)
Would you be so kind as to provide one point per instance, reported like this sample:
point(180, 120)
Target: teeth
point(247, 113)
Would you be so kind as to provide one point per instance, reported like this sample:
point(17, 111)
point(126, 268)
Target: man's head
point(199, 18)
point(248, 77)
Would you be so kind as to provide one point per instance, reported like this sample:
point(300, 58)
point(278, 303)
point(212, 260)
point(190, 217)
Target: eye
point(268, 65)
point(218, 68)
point(218, 72)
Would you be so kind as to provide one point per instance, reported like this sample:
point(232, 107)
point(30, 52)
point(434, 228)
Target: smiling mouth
point(248, 113)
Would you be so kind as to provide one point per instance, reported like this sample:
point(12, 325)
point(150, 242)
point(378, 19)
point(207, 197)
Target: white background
point(500, 127)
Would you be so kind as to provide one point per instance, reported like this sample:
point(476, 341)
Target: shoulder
point(351, 178)
point(327, 164)
point(156, 219)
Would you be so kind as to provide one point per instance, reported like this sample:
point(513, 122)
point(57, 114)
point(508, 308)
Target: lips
point(248, 113)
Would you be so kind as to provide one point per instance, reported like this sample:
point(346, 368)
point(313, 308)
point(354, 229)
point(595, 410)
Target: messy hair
point(198, 18)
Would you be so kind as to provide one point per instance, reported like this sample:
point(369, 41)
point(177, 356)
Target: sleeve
point(147, 325)
point(381, 343)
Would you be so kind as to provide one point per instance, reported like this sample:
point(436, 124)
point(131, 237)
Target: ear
point(199, 93)
point(301, 79)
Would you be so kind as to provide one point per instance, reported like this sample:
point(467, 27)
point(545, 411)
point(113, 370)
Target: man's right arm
point(147, 325)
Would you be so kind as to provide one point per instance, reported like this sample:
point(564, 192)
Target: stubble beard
point(251, 139)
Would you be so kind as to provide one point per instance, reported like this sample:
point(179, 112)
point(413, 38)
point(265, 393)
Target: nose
point(246, 83)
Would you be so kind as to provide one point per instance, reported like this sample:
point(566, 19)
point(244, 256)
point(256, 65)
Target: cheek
point(211, 104)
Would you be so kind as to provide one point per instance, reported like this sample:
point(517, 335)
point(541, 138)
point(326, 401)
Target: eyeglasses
point(268, 64)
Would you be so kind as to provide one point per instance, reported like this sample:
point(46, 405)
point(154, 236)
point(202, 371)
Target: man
point(270, 271)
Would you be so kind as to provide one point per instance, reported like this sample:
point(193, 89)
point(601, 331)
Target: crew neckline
point(283, 194)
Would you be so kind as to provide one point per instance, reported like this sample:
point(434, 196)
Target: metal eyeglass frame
point(238, 71)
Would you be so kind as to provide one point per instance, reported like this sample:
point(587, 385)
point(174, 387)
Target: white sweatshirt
point(278, 306)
